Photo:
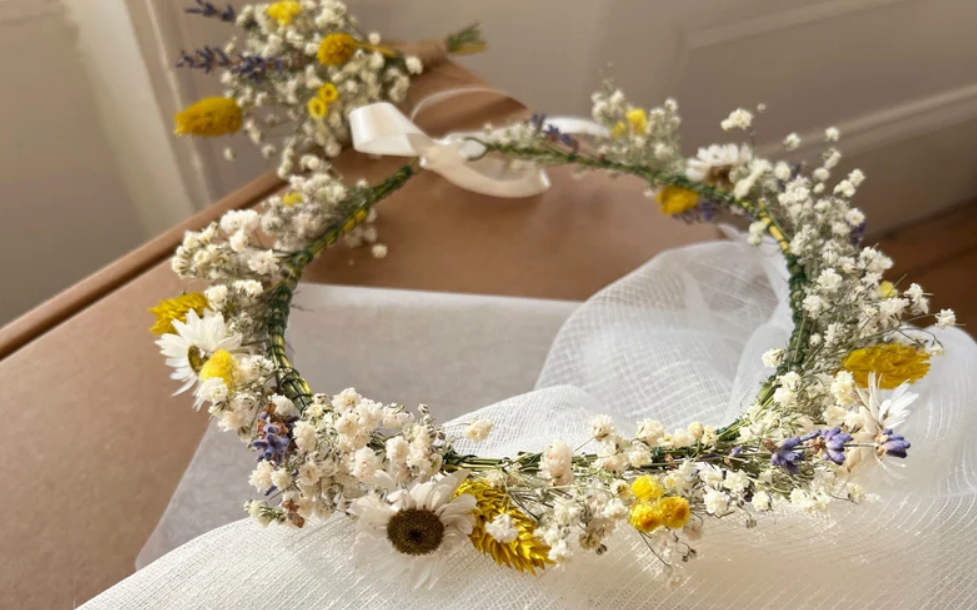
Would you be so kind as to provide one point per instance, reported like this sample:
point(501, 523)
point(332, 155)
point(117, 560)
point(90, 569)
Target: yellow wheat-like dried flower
point(677, 200)
point(892, 364)
point(336, 49)
point(211, 116)
point(283, 12)
point(526, 553)
point(177, 308)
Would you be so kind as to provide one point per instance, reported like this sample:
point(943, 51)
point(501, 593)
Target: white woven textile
point(679, 339)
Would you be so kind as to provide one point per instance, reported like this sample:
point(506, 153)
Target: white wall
point(897, 76)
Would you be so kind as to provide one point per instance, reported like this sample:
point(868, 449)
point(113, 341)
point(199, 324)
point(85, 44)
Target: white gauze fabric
point(678, 340)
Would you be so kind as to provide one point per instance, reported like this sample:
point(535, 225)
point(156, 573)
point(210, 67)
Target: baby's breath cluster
point(831, 409)
point(294, 73)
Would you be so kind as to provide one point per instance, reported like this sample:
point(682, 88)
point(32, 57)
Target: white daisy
point(714, 164)
point(194, 342)
point(411, 533)
point(880, 412)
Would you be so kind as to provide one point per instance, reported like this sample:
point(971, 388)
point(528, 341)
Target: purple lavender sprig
point(209, 58)
point(208, 9)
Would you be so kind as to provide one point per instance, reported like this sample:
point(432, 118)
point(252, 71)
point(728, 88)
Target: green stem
point(290, 383)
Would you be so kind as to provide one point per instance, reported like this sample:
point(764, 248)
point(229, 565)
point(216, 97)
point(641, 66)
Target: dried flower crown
point(831, 408)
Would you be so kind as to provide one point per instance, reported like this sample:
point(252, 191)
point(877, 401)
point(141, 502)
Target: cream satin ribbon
point(381, 129)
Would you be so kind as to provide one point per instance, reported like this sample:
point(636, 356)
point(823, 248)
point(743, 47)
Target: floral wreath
point(832, 406)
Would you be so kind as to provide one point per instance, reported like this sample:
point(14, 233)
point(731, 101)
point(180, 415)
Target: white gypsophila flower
point(761, 501)
point(263, 262)
point(831, 134)
point(756, 232)
point(411, 534)
point(379, 251)
point(195, 341)
point(946, 318)
point(650, 431)
point(736, 481)
point(709, 474)
point(556, 463)
point(716, 502)
point(413, 64)
point(821, 174)
point(696, 429)
point(813, 306)
point(601, 427)
point(782, 171)
point(281, 478)
point(792, 141)
point(855, 217)
point(261, 476)
point(717, 160)
point(773, 357)
point(478, 430)
point(230, 154)
point(680, 438)
point(832, 157)
point(212, 390)
point(615, 509)
point(738, 119)
point(216, 296)
point(502, 529)
point(249, 288)
point(284, 407)
point(744, 186)
point(304, 434)
point(829, 281)
point(239, 220)
point(845, 188)
point(345, 400)
point(364, 465)
point(842, 387)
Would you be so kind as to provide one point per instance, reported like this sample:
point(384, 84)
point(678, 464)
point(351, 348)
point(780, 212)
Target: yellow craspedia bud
point(619, 129)
point(674, 511)
point(638, 120)
point(647, 487)
point(645, 517)
point(177, 308)
point(283, 12)
point(211, 116)
point(336, 49)
point(328, 93)
point(887, 290)
point(291, 198)
point(317, 108)
point(676, 200)
point(892, 364)
point(221, 365)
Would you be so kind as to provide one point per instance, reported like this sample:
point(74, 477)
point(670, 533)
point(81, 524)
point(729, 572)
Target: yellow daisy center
point(209, 117)
point(328, 93)
point(676, 200)
point(283, 12)
point(336, 49)
point(317, 108)
point(220, 365)
point(647, 487)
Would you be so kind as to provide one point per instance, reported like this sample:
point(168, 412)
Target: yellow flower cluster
point(336, 49)
point(651, 511)
point(675, 200)
point(177, 308)
point(526, 553)
point(319, 105)
point(637, 122)
point(283, 12)
point(221, 365)
point(211, 116)
point(892, 364)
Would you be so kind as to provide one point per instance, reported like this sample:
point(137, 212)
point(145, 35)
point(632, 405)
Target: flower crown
point(831, 408)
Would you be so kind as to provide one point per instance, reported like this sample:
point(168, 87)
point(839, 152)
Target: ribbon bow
point(381, 129)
